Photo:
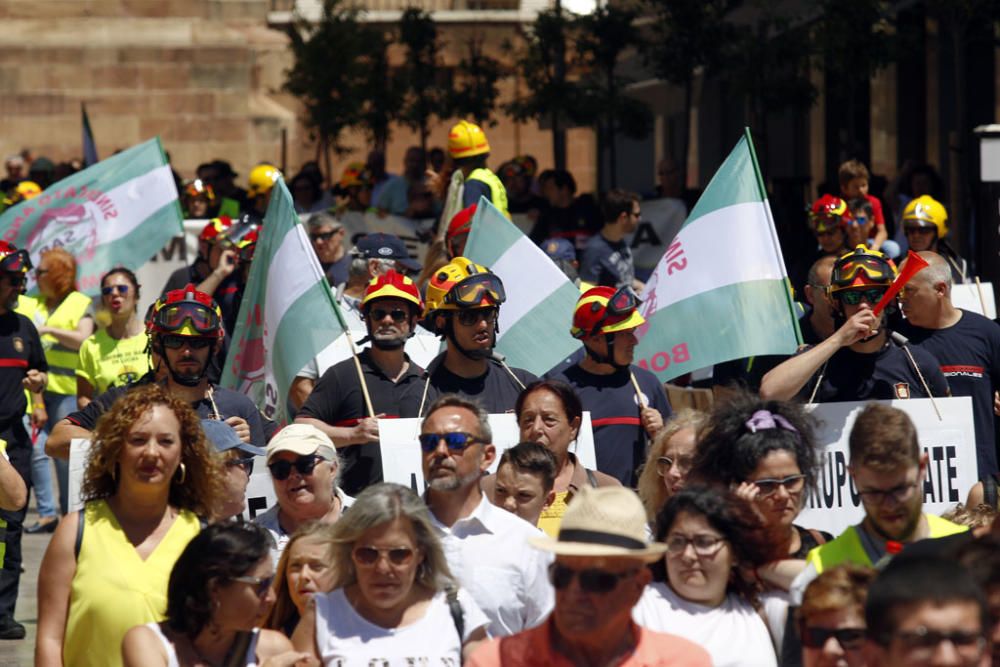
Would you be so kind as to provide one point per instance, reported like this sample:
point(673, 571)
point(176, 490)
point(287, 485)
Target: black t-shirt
point(495, 390)
point(228, 294)
point(607, 263)
point(228, 402)
point(337, 400)
point(619, 438)
point(880, 376)
point(969, 354)
point(336, 272)
point(20, 351)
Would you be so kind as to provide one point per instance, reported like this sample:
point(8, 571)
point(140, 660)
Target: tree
point(423, 91)
point(604, 36)
point(379, 94)
point(475, 92)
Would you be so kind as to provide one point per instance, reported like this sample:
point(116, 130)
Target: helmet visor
point(202, 319)
point(873, 267)
point(476, 289)
point(16, 262)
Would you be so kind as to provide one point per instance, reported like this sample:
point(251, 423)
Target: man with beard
point(463, 307)
point(486, 547)
point(390, 306)
point(185, 328)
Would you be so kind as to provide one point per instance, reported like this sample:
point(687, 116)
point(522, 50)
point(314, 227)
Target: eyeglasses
point(791, 484)
point(848, 638)
point(474, 316)
point(853, 297)
point(473, 290)
point(280, 470)
point(665, 464)
point(898, 494)
point(111, 289)
point(324, 236)
point(398, 556)
point(591, 581)
point(246, 464)
point(455, 441)
point(175, 342)
point(704, 545)
point(397, 314)
point(923, 641)
point(261, 584)
point(858, 220)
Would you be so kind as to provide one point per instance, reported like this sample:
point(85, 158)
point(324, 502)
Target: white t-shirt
point(346, 639)
point(733, 633)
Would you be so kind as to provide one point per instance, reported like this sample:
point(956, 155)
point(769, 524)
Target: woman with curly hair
point(766, 452)
point(149, 476)
point(700, 591)
point(669, 459)
point(219, 587)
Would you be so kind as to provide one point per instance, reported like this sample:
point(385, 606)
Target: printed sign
point(968, 297)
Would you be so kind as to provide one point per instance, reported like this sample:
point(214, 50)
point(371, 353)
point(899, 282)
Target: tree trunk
point(688, 92)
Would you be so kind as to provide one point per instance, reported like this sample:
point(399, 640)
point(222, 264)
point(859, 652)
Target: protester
point(669, 460)
point(627, 403)
point(261, 181)
point(598, 576)
point(487, 548)
point(115, 355)
point(218, 589)
point(304, 570)
point(185, 328)
point(63, 317)
point(305, 470)
point(469, 149)
point(566, 215)
point(926, 611)
point(458, 231)
point(198, 200)
point(220, 176)
point(861, 360)
point(355, 188)
point(393, 197)
point(149, 476)
point(818, 324)
point(981, 559)
point(524, 479)
point(549, 412)
point(853, 177)
point(307, 193)
point(327, 235)
point(391, 381)
point(237, 459)
point(925, 223)
point(463, 303)
point(379, 177)
point(766, 452)
point(828, 220)
point(965, 344)
point(607, 258)
point(22, 366)
point(393, 598)
point(711, 536)
point(832, 617)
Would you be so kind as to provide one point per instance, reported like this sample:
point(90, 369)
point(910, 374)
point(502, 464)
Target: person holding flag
point(862, 360)
point(184, 328)
point(627, 403)
point(387, 378)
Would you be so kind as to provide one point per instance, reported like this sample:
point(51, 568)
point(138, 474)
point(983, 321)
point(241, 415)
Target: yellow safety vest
point(847, 546)
point(498, 193)
point(62, 360)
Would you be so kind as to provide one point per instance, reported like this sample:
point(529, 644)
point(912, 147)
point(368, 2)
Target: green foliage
point(421, 80)
point(379, 96)
point(690, 34)
point(476, 92)
point(855, 40)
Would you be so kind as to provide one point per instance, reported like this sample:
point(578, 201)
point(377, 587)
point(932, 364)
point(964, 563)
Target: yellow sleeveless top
point(114, 589)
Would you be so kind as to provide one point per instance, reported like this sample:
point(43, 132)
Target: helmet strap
point(608, 358)
point(475, 355)
point(183, 380)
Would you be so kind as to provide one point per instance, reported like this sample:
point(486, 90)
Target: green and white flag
point(119, 212)
point(721, 291)
point(535, 320)
point(288, 313)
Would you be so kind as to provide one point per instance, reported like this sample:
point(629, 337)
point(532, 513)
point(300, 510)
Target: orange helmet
point(214, 228)
point(605, 310)
point(392, 285)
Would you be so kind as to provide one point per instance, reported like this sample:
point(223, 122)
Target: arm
point(142, 648)
point(304, 637)
point(781, 573)
point(300, 390)
point(84, 393)
point(71, 339)
point(366, 430)
point(880, 236)
point(976, 496)
point(476, 638)
point(59, 565)
point(227, 264)
point(39, 416)
point(275, 650)
point(13, 491)
point(58, 443)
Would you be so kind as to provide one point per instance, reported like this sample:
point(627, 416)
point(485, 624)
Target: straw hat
point(607, 521)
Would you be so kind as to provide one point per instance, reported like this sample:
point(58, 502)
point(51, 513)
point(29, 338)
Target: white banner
point(660, 222)
point(969, 297)
point(950, 445)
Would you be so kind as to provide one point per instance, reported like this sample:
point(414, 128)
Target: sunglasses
point(111, 289)
point(246, 464)
point(853, 297)
point(261, 584)
point(397, 314)
point(280, 470)
point(665, 464)
point(369, 556)
point(16, 279)
point(848, 638)
point(791, 484)
point(591, 581)
point(175, 342)
point(324, 236)
point(919, 230)
point(469, 318)
point(456, 441)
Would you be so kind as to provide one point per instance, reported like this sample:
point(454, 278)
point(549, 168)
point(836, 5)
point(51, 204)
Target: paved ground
point(21, 653)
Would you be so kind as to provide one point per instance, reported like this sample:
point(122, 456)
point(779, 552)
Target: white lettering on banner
point(402, 460)
point(950, 446)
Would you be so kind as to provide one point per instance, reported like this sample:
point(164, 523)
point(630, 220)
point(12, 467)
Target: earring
point(114, 472)
point(183, 470)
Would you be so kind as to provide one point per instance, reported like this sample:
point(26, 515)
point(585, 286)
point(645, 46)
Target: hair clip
point(763, 420)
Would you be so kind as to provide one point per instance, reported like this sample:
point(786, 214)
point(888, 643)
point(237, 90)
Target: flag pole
point(354, 350)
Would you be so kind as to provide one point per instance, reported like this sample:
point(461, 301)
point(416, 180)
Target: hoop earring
point(183, 470)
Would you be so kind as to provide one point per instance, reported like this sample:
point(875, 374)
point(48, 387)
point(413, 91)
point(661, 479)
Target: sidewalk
point(22, 653)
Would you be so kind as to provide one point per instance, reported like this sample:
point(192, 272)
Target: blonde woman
point(669, 459)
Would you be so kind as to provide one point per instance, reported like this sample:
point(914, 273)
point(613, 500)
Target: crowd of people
point(683, 545)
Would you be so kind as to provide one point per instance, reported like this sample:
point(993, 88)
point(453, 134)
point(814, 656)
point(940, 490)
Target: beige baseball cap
point(301, 439)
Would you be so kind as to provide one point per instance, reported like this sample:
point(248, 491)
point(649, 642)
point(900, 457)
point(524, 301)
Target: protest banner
point(661, 220)
point(967, 296)
point(402, 460)
point(950, 445)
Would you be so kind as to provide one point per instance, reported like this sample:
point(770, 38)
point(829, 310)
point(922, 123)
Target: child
point(525, 477)
point(859, 228)
point(853, 178)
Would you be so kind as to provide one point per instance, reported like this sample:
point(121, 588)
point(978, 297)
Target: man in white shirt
point(487, 548)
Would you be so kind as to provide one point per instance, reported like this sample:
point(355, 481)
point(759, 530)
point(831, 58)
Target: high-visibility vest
point(61, 359)
point(498, 193)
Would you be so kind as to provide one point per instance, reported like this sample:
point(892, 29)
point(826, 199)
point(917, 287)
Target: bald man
point(966, 344)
